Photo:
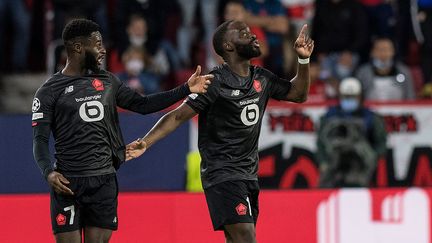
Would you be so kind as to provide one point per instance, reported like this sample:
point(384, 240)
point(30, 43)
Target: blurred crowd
point(154, 45)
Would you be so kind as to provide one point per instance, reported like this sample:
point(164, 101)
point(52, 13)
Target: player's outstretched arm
point(130, 100)
point(300, 83)
point(167, 124)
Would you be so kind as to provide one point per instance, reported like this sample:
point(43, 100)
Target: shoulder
point(402, 68)
point(365, 68)
point(46, 87)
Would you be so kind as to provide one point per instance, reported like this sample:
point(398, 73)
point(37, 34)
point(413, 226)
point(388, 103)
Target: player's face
point(245, 42)
point(94, 52)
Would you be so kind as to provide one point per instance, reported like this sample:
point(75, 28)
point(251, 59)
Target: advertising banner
point(288, 142)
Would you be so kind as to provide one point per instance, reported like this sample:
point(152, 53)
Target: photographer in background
point(350, 140)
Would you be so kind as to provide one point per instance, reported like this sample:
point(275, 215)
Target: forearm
point(156, 102)
point(167, 124)
point(300, 84)
point(41, 149)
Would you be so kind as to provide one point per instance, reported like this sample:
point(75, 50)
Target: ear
point(78, 47)
point(228, 46)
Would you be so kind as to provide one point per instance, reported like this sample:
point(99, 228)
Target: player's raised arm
point(167, 124)
point(300, 83)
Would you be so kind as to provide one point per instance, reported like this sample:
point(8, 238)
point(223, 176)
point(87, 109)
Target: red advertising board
point(295, 216)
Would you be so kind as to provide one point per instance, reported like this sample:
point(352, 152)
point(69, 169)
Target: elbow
point(299, 99)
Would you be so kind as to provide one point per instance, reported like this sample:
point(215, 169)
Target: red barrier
point(303, 216)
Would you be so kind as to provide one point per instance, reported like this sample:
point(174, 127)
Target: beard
point(90, 62)
point(248, 51)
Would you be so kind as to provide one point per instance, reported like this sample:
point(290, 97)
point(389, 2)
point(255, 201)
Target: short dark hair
point(219, 37)
point(79, 28)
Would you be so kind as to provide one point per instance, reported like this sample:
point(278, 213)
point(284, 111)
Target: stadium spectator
point(350, 140)
point(139, 73)
point(384, 78)
point(270, 15)
point(340, 26)
point(16, 14)
point(381, 17)
point(424, 18)
point(65, 10)
point(187, 31)
point(164, 58)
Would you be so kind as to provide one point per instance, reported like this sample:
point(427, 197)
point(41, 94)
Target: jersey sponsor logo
point(250, 115)
point(69, 89)
point(97, 84)
point(241, 209)
point(247, 102)
point(235, 92)
point(36, 105)
point(36, 116)
point(91, 111)
point(193, 96)
point(257, 85)
point(87, 98)
point(60, 219)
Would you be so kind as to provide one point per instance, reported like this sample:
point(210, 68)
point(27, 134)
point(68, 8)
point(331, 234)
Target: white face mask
point(134, 66)
point(137, 40)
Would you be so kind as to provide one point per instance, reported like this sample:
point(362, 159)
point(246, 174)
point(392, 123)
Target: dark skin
point(238, 34)
point(88, 53)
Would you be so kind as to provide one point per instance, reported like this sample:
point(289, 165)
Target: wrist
point(186, 88)
point(303, 60)
point(47, 172)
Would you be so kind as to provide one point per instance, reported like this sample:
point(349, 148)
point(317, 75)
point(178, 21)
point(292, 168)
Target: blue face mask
point(349, 104)
point(377, 63)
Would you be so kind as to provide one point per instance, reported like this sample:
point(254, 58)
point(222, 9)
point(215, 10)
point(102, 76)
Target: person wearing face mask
point(139, 73)
point(350, 140)
point(383, 77)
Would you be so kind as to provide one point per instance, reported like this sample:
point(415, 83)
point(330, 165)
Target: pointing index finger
point(303, 31)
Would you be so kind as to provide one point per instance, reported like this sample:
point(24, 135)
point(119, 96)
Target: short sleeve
point(43, 106)
point(279, 87)
point(199, 102)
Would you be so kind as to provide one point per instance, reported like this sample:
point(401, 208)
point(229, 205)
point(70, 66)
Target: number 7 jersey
point(229, 123)
point(81, 112)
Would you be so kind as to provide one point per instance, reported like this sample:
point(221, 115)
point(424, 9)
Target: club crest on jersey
point(241, 209)
point(257, 85)
point(97, 84)
point(61, 219)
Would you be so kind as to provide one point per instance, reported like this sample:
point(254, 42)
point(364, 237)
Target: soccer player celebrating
point(79, 105)
point(230, 116)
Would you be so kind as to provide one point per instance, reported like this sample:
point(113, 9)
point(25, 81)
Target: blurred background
point(371, 136)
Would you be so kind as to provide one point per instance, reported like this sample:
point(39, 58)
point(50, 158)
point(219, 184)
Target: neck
point(383, 71)
point(73, 68)
point(239, 67)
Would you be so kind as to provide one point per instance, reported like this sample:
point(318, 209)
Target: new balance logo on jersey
point(235, 92)
point(69, 89)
